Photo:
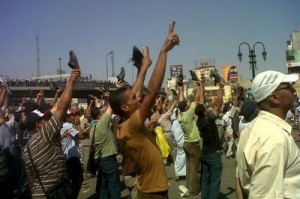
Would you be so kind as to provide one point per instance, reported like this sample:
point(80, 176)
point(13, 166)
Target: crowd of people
point(45, 148)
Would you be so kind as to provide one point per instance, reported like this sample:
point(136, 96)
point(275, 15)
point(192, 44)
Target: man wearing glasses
point(268, 159)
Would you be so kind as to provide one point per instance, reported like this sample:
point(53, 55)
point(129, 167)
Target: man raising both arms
point(151, 175)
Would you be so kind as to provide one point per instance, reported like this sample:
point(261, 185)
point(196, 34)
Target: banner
point(175, 70)
point(229, 73)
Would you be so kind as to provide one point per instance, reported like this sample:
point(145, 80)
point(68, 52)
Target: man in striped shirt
point(45, 145)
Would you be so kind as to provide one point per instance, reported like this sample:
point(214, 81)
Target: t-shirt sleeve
point(191, 111)
point(51, 129)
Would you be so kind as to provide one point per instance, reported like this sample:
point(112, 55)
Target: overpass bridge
point(81, 89)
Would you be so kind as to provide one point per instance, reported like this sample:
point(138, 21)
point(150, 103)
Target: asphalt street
point(227, 184)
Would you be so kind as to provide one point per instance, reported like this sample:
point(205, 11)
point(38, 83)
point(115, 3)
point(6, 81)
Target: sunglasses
point(286, 86)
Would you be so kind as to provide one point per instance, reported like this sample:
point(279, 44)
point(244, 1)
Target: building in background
point(293, 56)
point(293, 53)
point(203, 70)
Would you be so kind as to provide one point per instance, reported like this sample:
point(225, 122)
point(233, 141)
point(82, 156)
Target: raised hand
point(222, 82)
point(146, 61)
point(58, 91)
point(119, 84)
point(75, 74)
point(172, 38)
point(40, 95)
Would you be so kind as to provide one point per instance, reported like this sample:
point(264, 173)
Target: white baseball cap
point(265, 83)
point(39, 113)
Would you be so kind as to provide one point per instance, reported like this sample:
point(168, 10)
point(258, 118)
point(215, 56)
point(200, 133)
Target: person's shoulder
point(135, 119)
point(212, 115)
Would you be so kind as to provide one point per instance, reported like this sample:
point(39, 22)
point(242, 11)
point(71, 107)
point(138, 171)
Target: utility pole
point(60, 68)
point(112, 63)
point(37, 56)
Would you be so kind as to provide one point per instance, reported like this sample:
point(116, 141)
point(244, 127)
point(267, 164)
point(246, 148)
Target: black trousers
point(76, 174)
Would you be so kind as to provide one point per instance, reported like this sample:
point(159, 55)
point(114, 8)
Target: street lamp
point(107, 65)
point(112, 63)
point(252, 55)
point(60, 68)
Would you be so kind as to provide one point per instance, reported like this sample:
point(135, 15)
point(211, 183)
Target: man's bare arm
point(139, 83)
point(219, 100)
point(62, 105)
point(158, 73)
point(56, 96)
point(180, 94)
point(199, 96)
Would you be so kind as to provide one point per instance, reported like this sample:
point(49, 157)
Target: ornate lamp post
point(252, 55)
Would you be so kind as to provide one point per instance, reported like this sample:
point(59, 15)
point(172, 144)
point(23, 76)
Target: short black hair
point(95, 112)
point(199, 111)
point(182, 105)
point(117, 99)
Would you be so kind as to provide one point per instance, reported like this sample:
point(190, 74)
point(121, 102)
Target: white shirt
point(70, 144)
point(268, 159)
point(227, 122)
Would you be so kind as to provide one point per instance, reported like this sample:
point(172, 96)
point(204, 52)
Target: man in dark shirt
point(211, 159)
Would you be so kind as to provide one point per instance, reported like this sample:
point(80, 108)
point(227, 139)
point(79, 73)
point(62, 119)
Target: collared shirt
point(188, 124)
point(70, 144)
point(48, 156)
point(227, 122)
point(105, 141)
point(268, 159)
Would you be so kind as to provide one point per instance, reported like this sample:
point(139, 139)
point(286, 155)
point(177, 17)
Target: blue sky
point(208, 29)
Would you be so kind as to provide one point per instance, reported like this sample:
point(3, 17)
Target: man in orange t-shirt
point(151, 175)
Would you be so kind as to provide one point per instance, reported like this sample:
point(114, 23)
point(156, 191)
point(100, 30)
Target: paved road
point(227, 184)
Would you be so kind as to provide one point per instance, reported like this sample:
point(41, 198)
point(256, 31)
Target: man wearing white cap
point(268, 159)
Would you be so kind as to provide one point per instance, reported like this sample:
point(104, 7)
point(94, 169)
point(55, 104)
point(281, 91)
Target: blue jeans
point(108, 179)
point(211, 175)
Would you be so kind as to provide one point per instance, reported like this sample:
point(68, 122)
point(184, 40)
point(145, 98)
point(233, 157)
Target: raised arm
point(40, 99)
point(172, 105)
point(158, 72)
point(180, 94)
point(62, 105)
point(3, 97)
point(139, 83)
point(219, 99)
point(199, 96)
point(56, 96)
